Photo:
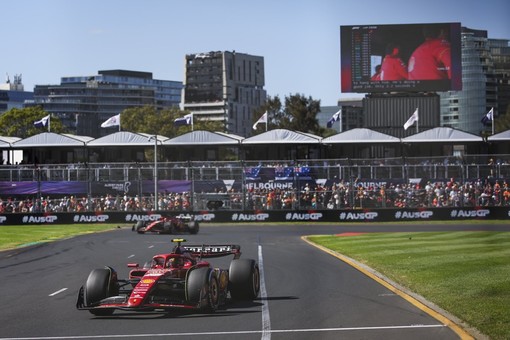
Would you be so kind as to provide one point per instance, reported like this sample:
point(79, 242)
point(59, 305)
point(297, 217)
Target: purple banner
point(18, 188)
point(63, 187)
point(167, 186)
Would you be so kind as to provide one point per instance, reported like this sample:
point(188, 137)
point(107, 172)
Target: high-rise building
point(350, 117)
point(464, 109)
point(500, 52)
point(226, 87)
point(13, 95)
point(82, 103)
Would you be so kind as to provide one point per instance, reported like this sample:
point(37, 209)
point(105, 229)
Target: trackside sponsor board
point(40, 219)
point(414, 215)
point(463, 213)
point(229, 216)
point(135, 217)
point(300, 216)
point(79, 218)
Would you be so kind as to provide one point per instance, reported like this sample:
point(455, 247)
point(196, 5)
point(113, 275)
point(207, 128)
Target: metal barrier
point(469, 167)
point(271, 185)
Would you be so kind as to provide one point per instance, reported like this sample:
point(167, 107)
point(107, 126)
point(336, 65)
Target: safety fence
point(467, 167)
point(328, 184)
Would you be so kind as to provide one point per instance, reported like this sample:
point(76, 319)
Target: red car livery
point(180, 279)
point(169, 225)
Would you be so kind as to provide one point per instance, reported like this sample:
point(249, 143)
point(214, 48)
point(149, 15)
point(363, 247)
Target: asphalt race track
point(305, 294)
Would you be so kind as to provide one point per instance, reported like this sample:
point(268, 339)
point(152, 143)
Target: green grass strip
point(464, 273)
point(22, 235)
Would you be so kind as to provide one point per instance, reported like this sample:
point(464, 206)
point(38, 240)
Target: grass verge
point(464, 273)
point(18, 236)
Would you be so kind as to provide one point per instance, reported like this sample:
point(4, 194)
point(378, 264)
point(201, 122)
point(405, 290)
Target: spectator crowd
point(339, 195)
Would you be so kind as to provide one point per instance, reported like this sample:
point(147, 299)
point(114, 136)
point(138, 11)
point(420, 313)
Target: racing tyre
point(244, 279)
point(193, 227)
point(166, 228)
point(174, 228)
point(202, 288)
point(139, 227)
point(101, 283)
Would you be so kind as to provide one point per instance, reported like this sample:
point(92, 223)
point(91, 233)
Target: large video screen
point(401, 58)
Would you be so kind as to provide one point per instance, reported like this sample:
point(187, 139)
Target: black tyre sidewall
point(196, 280)
point(244, 279)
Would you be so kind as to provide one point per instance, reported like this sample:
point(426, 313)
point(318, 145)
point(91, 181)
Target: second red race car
point(169, 225)
point(181, 279)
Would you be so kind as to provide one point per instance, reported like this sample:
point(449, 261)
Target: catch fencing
point(477, 180)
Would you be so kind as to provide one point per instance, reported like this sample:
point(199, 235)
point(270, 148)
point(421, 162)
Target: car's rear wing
point(207, 250)
point(213, 250)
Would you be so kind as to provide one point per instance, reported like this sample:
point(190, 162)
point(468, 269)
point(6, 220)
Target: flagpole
point(49, 123)
point(492, 120)
point(155, 207)
point(340, 120)
point(417, 121)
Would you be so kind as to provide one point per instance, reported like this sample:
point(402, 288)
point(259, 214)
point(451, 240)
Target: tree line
point(297, 113)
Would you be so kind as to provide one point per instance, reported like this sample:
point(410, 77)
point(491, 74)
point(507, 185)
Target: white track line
point(266, 321)
point(120, 336)
point(58, 292)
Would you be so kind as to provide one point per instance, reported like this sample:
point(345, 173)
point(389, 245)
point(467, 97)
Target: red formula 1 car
point(169, 225)
point(181, 279)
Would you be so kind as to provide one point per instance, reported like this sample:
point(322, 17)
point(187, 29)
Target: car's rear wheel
point(193, 227)
point(202, 288)
point(167, 228)
point(101, 283)
point(244, 279)
point(140, 227)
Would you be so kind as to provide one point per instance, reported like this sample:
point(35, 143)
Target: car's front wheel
point(101, 283)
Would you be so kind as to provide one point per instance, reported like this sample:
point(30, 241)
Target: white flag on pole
point(112, 121)
point(44, 121)
point(334, 118)
point(186, 120)
point(411, 120)
point(262, 119)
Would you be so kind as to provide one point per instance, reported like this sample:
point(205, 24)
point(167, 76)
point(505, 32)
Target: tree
point(148, 120)
point(20, 122)
point(502, 121)
point(273, 107)
point(302, 114)
point(299, 114)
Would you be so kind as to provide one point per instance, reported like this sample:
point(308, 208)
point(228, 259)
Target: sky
point(44, 40)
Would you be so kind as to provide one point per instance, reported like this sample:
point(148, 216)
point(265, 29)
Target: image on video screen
point(401, 58)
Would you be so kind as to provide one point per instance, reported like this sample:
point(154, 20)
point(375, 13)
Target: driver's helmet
point(175, 262)
point(158, 262)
